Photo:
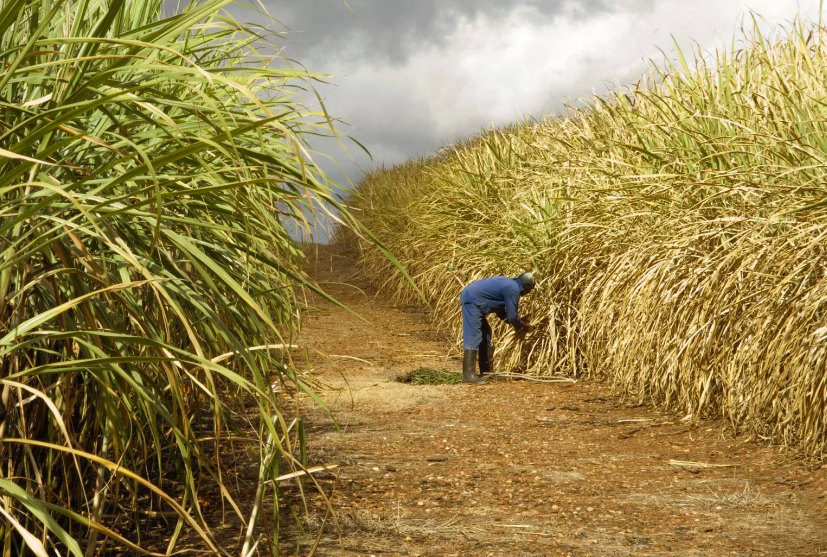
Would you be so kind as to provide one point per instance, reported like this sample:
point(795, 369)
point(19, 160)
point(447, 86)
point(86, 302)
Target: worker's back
point(490, 294)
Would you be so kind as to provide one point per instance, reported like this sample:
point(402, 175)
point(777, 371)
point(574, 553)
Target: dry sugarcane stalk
point(677, 227)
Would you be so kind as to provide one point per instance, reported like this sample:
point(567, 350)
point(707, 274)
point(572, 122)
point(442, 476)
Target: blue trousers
point(475, 327)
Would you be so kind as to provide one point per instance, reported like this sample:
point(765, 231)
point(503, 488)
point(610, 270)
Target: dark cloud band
point(390, 30)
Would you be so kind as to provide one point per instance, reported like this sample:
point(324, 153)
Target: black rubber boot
point(486, 359)
point(469, 368)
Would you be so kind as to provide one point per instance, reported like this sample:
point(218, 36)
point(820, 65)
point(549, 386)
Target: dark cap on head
point(527, 282)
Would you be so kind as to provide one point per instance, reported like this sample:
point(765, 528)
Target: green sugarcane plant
point(149, 164)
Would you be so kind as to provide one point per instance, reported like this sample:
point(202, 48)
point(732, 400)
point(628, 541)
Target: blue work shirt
point(499, 295)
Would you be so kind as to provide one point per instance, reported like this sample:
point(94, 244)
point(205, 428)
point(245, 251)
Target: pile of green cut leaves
point(430, 376)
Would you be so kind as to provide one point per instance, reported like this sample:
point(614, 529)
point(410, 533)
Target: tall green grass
point(677, 228)
point(148, 165)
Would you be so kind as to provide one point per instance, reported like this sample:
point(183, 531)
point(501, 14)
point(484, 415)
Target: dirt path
point(529, 469)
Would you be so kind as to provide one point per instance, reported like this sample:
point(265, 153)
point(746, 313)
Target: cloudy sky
point(412, 75)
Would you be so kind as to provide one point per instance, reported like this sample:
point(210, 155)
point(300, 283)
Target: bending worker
point(497, 295)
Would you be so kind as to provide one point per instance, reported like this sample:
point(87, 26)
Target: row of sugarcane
point(676, 228)
point(151, 164)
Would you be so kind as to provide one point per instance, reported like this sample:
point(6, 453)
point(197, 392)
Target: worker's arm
point(512, 302)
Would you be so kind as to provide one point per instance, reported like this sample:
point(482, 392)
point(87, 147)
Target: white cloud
point(490, 69)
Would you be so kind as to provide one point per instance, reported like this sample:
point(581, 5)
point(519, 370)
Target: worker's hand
point(525, 329)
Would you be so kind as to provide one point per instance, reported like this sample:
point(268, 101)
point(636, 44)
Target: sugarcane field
point(524, 278)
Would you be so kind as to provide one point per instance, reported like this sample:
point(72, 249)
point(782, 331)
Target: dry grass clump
point(749, 496)
point(677, 228)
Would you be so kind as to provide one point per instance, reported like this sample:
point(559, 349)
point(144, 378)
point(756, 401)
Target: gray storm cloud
point(390, 30)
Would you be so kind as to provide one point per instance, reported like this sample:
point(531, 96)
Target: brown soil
point(523, 468)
